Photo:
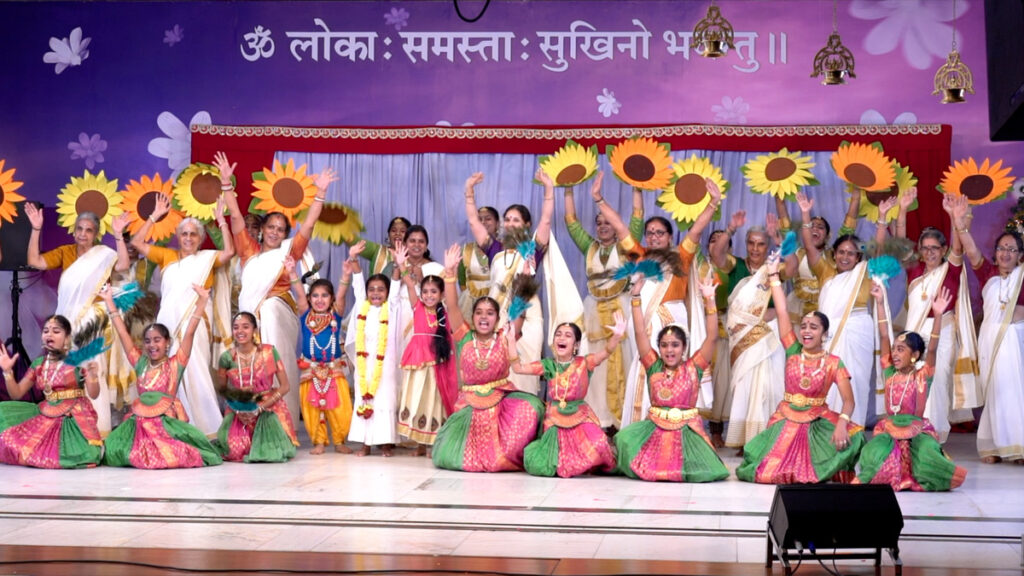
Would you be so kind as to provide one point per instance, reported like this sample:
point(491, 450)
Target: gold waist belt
point(800, 401)
point(482, 388)
point(65, 395)
point(673, 414)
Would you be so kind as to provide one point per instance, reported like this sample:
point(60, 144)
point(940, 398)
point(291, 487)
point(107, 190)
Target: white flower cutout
point(732, 110)
point(448, 124)
point(607, 104)
point(919, 25)
point(872, 116)
point(68, 51)
point(177, 147)
point(1017, 190)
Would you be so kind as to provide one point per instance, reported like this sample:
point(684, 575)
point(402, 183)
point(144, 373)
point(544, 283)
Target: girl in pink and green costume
point(493, 421)
point(671, 444)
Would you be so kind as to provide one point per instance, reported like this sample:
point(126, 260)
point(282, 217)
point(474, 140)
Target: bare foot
point(717, 441)
point(317, 449)
point(430, 453)
point(385, 450)
point(991, 459)
point(740, 452)
point(364, 452)
point(342, 449)
point(421, 450)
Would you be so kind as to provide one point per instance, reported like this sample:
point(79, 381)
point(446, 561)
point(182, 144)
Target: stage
point(446, 521)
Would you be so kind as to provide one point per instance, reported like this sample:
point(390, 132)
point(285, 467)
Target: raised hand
point(947, 204)
point(619, 328)
point(543, 178)
point(324, 178)
point(35, 215)
point(161, 207)
point(595, 187)
point(877, 291)
point(356, 249)
point(219, 209)
point(908, 198)
point(350, 267)
point(452, 256)
point(637, 285)
point(289, 265)
point(707, 285)
point(203, 292)
point(119, 223)
point(771, 225)
point(92, 371)
point(473, 180)
point(884, 207)
point(961, 210)
point(6, 360)
point(226, 169)
point(773, 262)
point(400, 253)
point(941, 301)
point(713, 190)
point(738, 219)
point(107, 295)
point(805, 203)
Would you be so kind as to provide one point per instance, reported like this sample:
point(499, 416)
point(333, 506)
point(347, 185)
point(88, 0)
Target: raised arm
point(707, 290)
point(693, 235)
point(35, 218)
point(117, 226)
point(881, 227)
point(226, 169)
point(225, 254)
point(609, 213)
point(161, 207)
point(783, 213)
point(719, 249)
point(301, 301)
point(956, 251)
point(452, 256)
point(547, 210)
point(348, 269)
point(643, 339)
point(322, 181)
point(962, 227)
point(806, 205)
point(185, 345)
point(939, 304)
point(476, 227)
point(878, 293)
point(618, 330)
point(401, 255)
point(107, 295)
point(778, 297)
point(906, 201)
point(15, 389)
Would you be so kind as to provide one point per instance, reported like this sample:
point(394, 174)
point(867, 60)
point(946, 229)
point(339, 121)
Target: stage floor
point(375, 505)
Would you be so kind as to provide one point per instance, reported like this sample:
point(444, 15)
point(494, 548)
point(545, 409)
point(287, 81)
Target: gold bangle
point(844, 416)
point(449, 279)
point(936, 334)
point(883, 320)
point(774, 283)
point(344, 283)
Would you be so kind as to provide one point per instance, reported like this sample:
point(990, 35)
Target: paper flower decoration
point(686, 196)
point(780, 174)
point(337, 224)
point(197, 190)
point(869, 201)
point(90, 193)
point(284, 189)
point(980, 185)
point(571, 165)
point(7, 196)
point(641, 162)
point(864, 166)
point(139, 200)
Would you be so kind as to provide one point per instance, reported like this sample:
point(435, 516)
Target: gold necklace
point(807, 379)
point(483, 362)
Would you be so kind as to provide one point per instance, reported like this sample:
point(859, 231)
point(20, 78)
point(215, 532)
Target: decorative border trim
point(523, 133)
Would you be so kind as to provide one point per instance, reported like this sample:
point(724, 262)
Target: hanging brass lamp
point(713, 35)
point(953, 79)
point(834, 62)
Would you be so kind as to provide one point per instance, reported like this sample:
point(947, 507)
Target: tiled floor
point(336, 503)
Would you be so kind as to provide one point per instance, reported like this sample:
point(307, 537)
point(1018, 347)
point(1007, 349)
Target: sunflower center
point(146, 205)
point(690, 189)
point(571, 174)
point(779, 169)
point(205, 188)
point(638, 167)
point(976, 186)
point(877, 198)
point(92, 201)
point(288, 192)
point(333, 215)
point(859, 175)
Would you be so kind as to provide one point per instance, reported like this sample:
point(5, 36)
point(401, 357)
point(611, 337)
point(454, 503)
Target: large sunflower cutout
point(140, 199)
point(780, 174)
point(686, 196)
point(980, 184)
point(284, 189)
point(197, 190)
point(571, 165)
point(641, 163)
point(869, 201)
point(864, 165)
point(338, 224)
point(8, 198)
point(90, 193)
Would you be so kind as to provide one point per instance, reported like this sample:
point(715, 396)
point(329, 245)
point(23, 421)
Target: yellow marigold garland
point(368, 388)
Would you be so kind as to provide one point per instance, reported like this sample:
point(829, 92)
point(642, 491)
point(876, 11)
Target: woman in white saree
point(953, 391)
point(180, 269)
point(265, 287)
point(1000, 341)
point(844, 297)
point(507, 262)
point(671, 300)
point(86, 266)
